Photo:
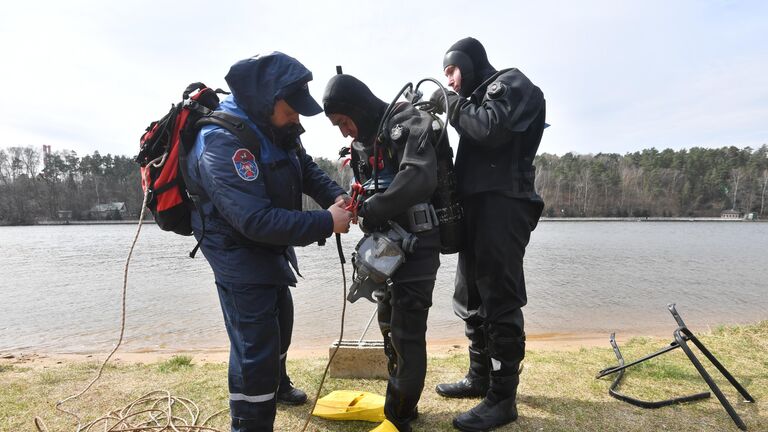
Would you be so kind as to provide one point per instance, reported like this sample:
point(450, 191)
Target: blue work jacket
point(252, 207)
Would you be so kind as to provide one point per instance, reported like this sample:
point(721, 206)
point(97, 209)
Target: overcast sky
point(618, 76)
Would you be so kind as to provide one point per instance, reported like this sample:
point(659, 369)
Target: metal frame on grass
point(682, 335)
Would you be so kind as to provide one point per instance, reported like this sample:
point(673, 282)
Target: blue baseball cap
point(302, 102)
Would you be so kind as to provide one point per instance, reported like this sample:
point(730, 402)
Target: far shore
point(543, 219)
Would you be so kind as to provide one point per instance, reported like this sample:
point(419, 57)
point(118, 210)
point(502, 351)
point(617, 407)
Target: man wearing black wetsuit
point(499, 116)
point(406, 168)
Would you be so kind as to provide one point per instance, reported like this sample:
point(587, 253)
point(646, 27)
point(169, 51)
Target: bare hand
point(344, 198)
point(341, 217)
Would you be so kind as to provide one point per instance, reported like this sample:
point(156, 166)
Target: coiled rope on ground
point(155, 411)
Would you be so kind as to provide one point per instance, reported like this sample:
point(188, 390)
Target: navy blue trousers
point(259, 321)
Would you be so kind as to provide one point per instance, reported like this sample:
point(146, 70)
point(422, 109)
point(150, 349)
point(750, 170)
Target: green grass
point(558, 391)
point(175, 363)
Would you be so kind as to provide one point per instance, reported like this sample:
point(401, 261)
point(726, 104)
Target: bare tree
point(5, 167)
point(736, 176)
point(586, 176)
point(762, 196)
point(14, 156)
point(30, 158)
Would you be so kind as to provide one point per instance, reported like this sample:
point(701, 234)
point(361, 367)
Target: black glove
point(369, 223)
point(367, 227)
point(438, 101)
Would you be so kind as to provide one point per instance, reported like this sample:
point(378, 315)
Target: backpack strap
point(244, 134)
point(234, 125)
point(193, 196)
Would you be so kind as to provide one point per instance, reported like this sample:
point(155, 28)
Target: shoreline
point(438, 348)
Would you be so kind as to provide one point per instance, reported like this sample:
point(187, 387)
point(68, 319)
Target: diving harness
point(379, 254)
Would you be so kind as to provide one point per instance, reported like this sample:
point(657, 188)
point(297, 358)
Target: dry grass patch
point(558, 391)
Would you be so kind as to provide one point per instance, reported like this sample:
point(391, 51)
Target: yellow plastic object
point(385, 426)
point(352, 405)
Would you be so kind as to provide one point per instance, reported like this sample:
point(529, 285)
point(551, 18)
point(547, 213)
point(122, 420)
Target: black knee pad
point(504, 345)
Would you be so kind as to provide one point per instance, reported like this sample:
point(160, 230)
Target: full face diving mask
point(376, 258)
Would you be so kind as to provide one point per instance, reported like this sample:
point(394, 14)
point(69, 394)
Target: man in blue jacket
point(250, 196)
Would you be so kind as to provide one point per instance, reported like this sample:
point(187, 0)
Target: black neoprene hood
point(469, 56)
point(345, 94)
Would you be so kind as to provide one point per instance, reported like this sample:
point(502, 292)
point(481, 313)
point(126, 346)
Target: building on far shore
point(64, 214)
point(109, 211)
point(732, 214)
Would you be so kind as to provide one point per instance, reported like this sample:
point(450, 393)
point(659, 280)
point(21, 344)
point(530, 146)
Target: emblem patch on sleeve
point(495, 90)
point(245, 164)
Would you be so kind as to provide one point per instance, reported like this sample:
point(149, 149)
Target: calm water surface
point(60, 286)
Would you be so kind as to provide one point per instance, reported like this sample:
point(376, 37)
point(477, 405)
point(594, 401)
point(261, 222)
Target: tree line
point(36, 185)
point(699, 182)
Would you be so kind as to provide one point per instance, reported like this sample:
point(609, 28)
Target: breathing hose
point(429, 104)
point(380, 131)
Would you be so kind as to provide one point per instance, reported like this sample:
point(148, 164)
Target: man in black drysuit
point(407, 171)
point(499, 116)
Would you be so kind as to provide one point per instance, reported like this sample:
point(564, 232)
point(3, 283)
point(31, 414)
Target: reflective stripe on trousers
point(259, 322)
point(252, 399)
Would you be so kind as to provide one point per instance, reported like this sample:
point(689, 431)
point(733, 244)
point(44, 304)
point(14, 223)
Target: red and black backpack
point(164, 148)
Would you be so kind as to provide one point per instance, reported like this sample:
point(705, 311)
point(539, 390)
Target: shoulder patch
point(495, 90)
point(245, 164)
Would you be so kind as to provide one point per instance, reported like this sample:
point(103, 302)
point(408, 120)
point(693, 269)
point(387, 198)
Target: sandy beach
point(436, 348)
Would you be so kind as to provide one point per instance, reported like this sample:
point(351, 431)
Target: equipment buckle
point(422, 217)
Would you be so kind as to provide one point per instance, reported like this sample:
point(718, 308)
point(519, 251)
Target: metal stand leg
point(638, 402)
point(682, 335)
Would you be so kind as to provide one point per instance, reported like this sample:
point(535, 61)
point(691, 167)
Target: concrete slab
point(364, 359)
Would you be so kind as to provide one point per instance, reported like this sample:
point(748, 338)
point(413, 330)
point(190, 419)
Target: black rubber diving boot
point(475, 384)
point(400, 407)
point(497, 409)
point(287, 394)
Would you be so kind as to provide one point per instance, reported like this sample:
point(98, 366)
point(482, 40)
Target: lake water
point(60, 286)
